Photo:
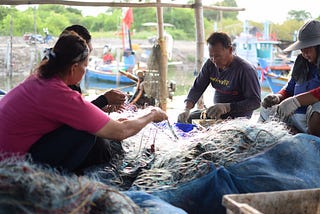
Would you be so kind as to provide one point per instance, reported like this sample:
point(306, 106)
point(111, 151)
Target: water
point(98, 84)
point(7, 83)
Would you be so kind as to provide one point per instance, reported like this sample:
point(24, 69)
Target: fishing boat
point(263, 51)
point(2, 93)
point(111, 75)
point(273, 78)
point(116, 73)
point(119, 69)
point(275, 82)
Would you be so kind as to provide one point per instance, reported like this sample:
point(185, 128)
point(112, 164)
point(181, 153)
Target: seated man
point(236, 84)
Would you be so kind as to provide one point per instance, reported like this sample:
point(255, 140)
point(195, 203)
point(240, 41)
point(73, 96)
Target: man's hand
point(215, 111)
point(183, 117)
point(271, 100)
point(287, 107)
point(115, 97)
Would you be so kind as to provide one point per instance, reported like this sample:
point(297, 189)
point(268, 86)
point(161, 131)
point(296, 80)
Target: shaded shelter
point(163, 65)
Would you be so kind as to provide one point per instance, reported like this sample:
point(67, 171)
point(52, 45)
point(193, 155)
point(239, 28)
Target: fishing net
point(154, 58)
point(222, 145)
point(28, 188)
point(151, 83)
point(155, 160)
point(152, 76)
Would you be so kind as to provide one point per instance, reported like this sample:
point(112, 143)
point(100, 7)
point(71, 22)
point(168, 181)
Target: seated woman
point(45, 118)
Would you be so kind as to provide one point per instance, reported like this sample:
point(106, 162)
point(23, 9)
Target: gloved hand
point(215, 111)
point(271, 100)
point(183, 117)
point(287, 107)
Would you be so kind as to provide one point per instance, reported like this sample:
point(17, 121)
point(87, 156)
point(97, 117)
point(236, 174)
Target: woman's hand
point(115, 97)
point(158, 115)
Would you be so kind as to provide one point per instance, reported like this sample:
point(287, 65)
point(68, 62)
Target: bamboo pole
point(198, 13)
point(10, 52)
point(114, 4)
point(163, 61)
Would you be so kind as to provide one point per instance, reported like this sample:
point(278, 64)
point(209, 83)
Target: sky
point(275, 11)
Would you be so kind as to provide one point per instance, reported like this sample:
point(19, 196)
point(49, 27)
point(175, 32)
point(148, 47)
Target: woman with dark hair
point(305, 77)
point(44, 117)
point(111, 100)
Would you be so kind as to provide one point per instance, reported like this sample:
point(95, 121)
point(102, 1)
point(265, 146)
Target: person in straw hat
point(298, 110)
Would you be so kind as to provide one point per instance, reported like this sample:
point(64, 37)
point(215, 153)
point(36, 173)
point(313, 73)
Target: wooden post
point(163, 61)
point(11, 53)
point(198, 10)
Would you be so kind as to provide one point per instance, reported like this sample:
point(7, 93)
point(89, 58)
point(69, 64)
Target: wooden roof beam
point(114, 4)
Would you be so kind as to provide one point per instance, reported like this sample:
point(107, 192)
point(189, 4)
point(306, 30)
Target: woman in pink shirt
point(44, 117)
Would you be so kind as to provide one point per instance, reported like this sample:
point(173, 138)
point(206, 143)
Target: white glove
point(287, 107)
point(183, 117)
point(215, 111)
point(270, 100)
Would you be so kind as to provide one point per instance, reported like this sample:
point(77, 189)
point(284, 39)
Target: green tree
point(288, 29)
point(5, 11)
point(52, 9)
point(214, 15)
point(143, 15)
point(299, 15)
point(105, 22)
point(181, 19)
point(74, 10)
point(22, 22)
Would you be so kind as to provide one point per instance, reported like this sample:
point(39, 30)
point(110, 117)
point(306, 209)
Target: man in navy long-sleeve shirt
point(236, 84)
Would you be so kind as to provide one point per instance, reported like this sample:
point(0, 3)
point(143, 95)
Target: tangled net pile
point(27, 188)
point(155, 160)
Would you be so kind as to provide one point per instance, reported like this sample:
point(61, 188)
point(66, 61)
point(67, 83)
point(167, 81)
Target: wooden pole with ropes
point(198, 13)
point(163, 61)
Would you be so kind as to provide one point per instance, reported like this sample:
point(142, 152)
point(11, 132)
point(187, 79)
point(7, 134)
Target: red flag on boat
point(128, 18)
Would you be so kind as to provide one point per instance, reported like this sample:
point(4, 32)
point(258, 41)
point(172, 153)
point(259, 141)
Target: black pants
point(71, 149)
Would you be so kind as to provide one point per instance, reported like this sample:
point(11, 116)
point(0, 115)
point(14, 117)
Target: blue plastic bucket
point(185, 127)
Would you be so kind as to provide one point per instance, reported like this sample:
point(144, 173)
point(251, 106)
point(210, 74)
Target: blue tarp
point(293, 163)
point(152, 204)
